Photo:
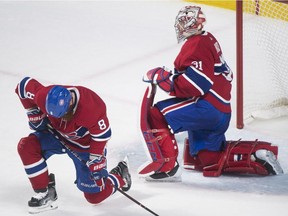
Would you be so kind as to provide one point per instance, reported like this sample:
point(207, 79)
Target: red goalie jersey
point(88, 130)
point(206, 73)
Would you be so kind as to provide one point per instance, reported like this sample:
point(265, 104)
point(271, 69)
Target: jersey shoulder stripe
point(22, 87)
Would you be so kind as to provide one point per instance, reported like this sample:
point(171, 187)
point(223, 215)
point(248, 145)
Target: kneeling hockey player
point(68, 120)
point(201, 90)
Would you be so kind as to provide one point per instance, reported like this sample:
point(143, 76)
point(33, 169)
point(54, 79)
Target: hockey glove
point(98, 168)
point(37, 119)
point(160, 76)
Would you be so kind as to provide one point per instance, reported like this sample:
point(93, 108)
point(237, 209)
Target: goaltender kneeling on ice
point(200, 86)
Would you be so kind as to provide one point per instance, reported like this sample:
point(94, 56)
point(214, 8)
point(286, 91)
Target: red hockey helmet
point(189, 21)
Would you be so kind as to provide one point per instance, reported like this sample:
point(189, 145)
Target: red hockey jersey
point(88, 130)
point(203, 72)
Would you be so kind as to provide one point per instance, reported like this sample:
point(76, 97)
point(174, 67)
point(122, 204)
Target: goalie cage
point(262, 66)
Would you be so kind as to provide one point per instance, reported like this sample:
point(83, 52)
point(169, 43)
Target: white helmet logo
point(61, 102)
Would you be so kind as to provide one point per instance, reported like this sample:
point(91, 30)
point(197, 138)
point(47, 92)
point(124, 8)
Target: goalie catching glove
point(160, 76)
point(98, 168)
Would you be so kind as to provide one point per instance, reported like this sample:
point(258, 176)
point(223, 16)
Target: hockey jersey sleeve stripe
point(22, 87)
point(104, 136)
point(198, 79)
point(220, 68)
point(194, 84)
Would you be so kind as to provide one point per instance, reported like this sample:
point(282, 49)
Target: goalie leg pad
point(166, 140)
point(163, 151)
point(155, 153)
point(150, 139)
point(190, 162)
point(241, 157)
point(160, 141)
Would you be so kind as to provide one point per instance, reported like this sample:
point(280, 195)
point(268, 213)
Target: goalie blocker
point(247, 157)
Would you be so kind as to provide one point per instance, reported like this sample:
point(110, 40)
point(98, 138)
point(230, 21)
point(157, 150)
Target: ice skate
point(122, 170)
point(173, 175)
point(44, 201)
point(269, 160)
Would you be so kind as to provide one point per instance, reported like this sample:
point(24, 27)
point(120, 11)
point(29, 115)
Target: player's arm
point(95, 119)
point(191, 82)
point(195, 81)
point(100, 134)
point(195, 66)
point(26, 90)
point(97, 164)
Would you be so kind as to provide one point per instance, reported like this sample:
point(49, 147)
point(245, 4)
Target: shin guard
point(150, 139)
point(161, 143)
point(239, 157)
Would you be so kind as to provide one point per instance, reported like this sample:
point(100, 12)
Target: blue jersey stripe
point(106, 135)
point(203, 82)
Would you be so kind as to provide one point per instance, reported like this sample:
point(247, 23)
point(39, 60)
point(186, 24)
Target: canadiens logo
point(61, 102)
point(72, 136)
point(81, 132)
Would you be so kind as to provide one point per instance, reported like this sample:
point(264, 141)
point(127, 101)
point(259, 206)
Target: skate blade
point(175, 178)
point(167, 179)
point(49, 206)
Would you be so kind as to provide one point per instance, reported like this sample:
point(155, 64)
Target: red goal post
point(262, 59)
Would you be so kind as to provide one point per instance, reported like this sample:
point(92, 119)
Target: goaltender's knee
point(28, 146)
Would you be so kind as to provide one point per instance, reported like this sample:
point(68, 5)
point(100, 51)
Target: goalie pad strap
point(246, 149)
point(155, 133)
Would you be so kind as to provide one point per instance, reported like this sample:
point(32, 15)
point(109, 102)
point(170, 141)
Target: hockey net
point(264, 60)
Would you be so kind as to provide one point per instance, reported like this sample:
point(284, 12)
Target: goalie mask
point(58, 101)
point(189, 21)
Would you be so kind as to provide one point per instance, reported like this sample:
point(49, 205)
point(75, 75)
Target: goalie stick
point(58, 137)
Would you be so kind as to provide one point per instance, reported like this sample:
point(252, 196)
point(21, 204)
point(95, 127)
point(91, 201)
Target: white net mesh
point(265, 58)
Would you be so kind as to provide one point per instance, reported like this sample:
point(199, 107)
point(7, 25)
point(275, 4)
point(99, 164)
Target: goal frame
point(239, 65)
point(239, 60)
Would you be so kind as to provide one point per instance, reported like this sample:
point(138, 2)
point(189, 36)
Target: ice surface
point(107, 46)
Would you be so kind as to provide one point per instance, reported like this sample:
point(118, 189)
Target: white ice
point(107, 46)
